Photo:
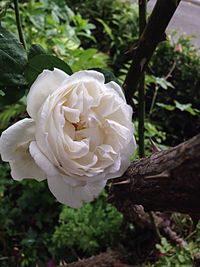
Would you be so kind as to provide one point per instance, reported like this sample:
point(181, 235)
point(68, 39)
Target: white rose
point(79, 135)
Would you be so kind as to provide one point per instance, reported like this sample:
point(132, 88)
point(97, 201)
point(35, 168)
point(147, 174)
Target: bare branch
point(167, 181)
point(153, 34)
point(106, 259)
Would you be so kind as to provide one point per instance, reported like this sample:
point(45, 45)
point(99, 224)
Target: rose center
point(79, 125)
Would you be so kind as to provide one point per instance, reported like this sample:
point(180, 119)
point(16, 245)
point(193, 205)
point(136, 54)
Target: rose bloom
point(78, 136)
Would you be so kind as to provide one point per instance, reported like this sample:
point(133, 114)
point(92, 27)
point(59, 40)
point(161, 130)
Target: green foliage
point(158, 82)
point(4, 4)
point(88, 230)
point(11, 112)
point(116, 27)
point(60, 32)
point(40, 62)
point(169, 254)
point(13, 60)
point(174, 256)
point(36, 50)
point(177, 109)
point(81, 59)
point(13, 54)
point(181, 107)
point(25, 233)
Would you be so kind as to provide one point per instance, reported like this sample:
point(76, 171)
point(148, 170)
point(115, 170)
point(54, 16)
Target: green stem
point(141, 108)
point(30, 5)
point(19, 24)
point(153, 100)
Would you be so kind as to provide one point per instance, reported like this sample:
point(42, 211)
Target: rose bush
point(79, 135)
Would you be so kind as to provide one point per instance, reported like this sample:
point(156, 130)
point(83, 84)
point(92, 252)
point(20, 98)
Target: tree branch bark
point(154, 33)
point(106, 259)
point(167, 181)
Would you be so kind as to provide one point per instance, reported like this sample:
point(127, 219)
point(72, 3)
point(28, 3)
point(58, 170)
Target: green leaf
point(3, 7)
point(149, 79)
point(2, 93)
point(163, 83)
point(41, 62)
point(180, 106)
point(11, 94)
point(13, 60)
point(36, 50)
point(193, 111)
point(165, 106)
point(107, 29)
point(90, 58)
point(187, 107)
point(182, 259)
point(160, 82)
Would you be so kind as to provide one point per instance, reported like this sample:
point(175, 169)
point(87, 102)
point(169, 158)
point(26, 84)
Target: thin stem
point(153, 100)
point(19, 24)
point(30, 7)
point(141, 109)
point(157, 87)
point(141, 119)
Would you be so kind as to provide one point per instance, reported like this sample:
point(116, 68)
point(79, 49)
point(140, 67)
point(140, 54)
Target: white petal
point(48, 167)
point(71, 114)
point(42, 161)
point(85, 75)
point(74, 196)
point(125, 160)
point(114, 86)
point(106, 153)
point(93, 134)
point(14, 136)
point(45, 84)
point(14, 147)
point(108, 105)
point(124, 134)
point(26, 169)
point(122, 115)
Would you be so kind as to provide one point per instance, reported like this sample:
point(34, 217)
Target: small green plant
point(88, 230)
point(174, 256)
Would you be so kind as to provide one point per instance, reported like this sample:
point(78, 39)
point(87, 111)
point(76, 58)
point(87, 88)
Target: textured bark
point(167, 181)
point(106, 259)
point(197, 260)
point(153, 34)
